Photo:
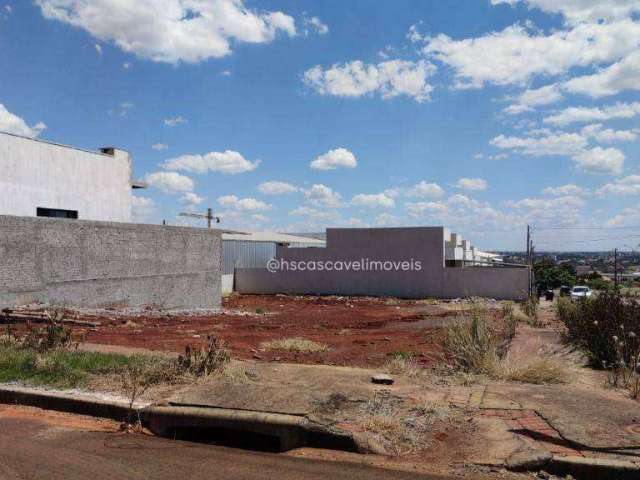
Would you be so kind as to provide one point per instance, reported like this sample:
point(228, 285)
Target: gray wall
point(94, 264)
point(424, 244)
point(503, 283)
point(36, 174)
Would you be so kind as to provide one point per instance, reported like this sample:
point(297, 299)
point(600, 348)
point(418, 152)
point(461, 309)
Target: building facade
point(255, 250)
point(44, 179)
point(406, 262)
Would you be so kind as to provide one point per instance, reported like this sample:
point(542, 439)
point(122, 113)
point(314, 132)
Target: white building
point(459, 251)
point(40, 178)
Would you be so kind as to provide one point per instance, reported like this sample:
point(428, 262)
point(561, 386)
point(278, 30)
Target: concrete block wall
point(96, 264)
point(500, 283)
point(424, 244)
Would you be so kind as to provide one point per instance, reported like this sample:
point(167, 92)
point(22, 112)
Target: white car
point(581, 292)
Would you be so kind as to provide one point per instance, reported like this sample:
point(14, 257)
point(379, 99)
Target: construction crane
point(209, 216)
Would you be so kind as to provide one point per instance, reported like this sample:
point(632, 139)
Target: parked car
point(581, 292)
point(565, 291)
point(549, 295)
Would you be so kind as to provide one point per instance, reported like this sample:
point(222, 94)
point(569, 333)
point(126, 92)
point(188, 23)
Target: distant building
point(45, 179)
point(584, 270)
point(407, 262)
point(254, 250)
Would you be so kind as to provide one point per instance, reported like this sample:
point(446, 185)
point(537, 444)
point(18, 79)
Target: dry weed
point(540, 370)
point(295, 344)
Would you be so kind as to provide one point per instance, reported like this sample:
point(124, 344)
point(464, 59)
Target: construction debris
point(11, 316)
point(382, 379)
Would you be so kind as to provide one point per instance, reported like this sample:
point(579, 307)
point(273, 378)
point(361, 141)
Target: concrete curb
point(591, 467)
point(292, 431)
point(578, 467)
point(66, 402)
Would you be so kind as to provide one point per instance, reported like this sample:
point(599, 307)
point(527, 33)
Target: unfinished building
point(72, 259)
point(411, 262)
point(46, 179)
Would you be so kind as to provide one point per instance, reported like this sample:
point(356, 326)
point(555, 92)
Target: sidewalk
point(453, 427)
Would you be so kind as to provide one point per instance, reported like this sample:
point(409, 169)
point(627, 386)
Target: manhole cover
point(635, 429)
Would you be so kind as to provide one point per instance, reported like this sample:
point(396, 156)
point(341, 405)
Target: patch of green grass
point(62, 368)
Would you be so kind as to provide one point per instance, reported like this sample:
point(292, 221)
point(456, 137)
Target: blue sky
point(480, 115)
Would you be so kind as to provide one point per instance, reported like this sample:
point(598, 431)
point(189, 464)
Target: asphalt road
point(36, 445)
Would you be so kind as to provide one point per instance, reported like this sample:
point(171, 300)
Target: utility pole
point(615, 267)
point(529, 258)
point(528, 244)
point(209, 216)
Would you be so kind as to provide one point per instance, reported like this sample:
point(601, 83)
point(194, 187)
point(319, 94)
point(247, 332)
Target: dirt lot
point(358, 331)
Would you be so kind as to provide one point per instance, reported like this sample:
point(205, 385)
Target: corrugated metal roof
point(271, 237)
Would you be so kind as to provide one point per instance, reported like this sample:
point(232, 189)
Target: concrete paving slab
point(499, 443)
point(593, 419)
point(255, 397)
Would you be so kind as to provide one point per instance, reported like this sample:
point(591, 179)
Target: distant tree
point(595, 281)
point(550, 275)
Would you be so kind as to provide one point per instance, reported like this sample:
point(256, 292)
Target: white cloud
point(548, 203)
point(608, 135)
point(11, 123)
point(258, 217)
point(622, 75)
point(388, 220)
point(277, 188)
point(174, 121)
point(160, 146)
point(143, 209)
point(98, 48)
point(333, 159)
point(498, 156)
point(323, 195)
point(517, 53)
point(559, 143)
point(191, 198)
point(425, 190)
point(629, 180)
point(569, 189)
point(314, 24)
point(472, 184)
point(419, 209)
point(460, 211)
point(628, 216)
point(563, 210)
point(122, 110)
point(225, 73)
point(576, 11)
point(171, 31)
point(8, 9)
point(170, 182)
point(389, 79)
point(315, 213)
point(127, 65)
point(534, 98)
point(244, 204)
point(590, 114)
point(228, 162)
point(600, 160)
point(545, 142)
point(373, 200)
point(629, 185)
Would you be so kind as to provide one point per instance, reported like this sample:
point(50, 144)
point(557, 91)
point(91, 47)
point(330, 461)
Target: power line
point(585, 228)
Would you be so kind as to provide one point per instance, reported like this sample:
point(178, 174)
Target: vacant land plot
point(350, 331)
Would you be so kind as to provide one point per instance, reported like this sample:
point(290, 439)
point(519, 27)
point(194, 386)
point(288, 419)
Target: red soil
point(358, 331)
